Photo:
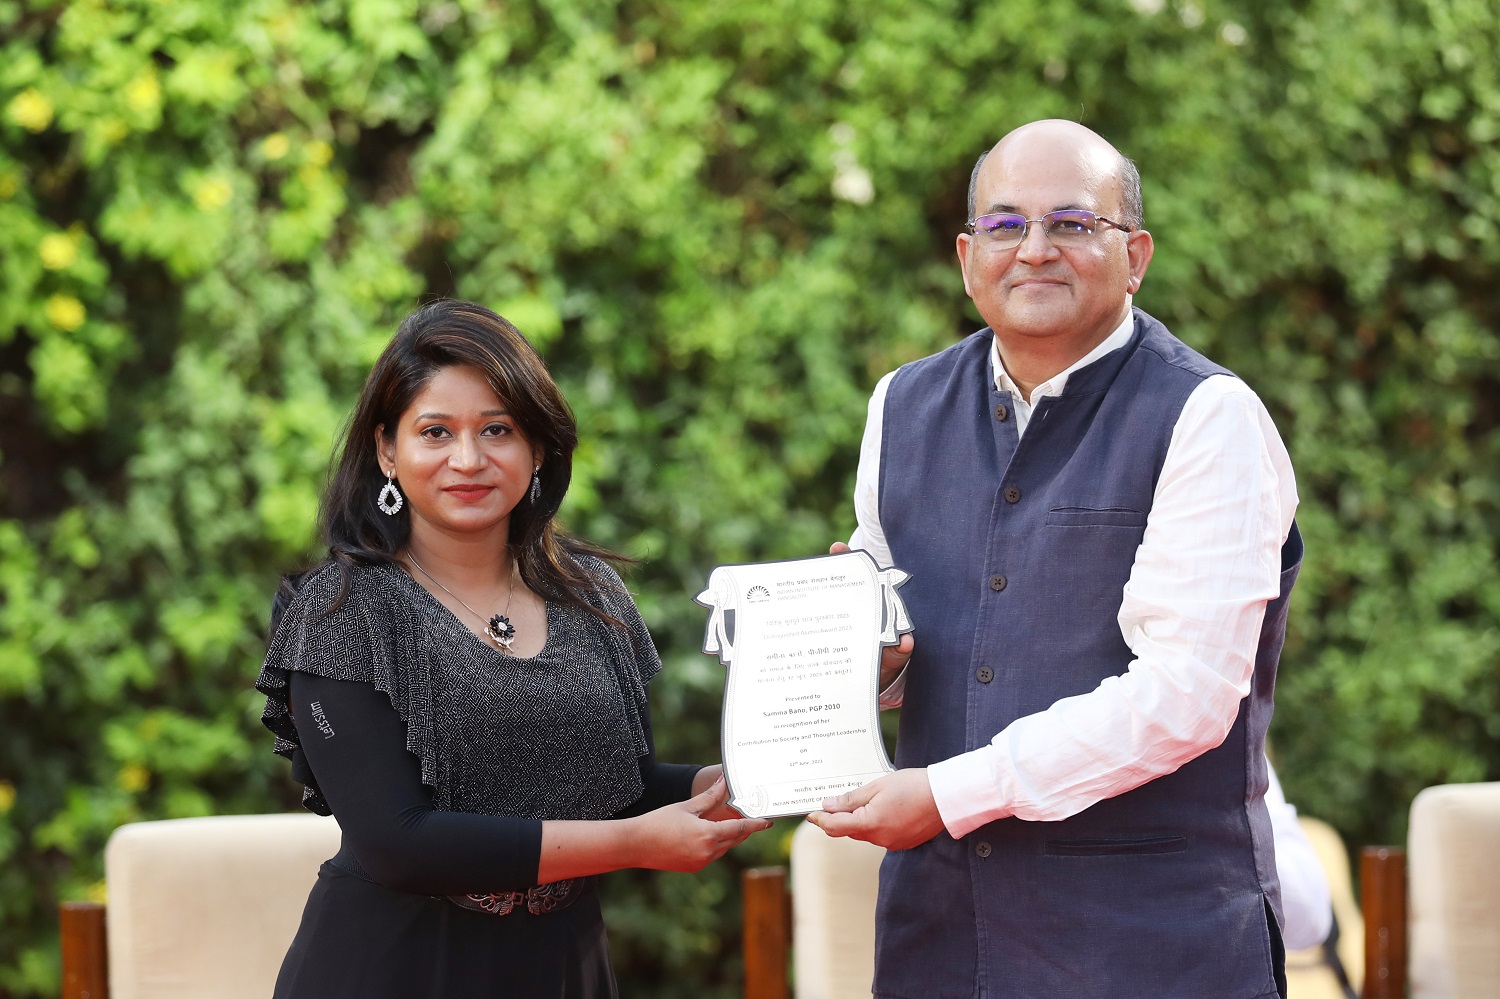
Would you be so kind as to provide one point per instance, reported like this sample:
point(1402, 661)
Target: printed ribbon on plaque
point(719, 599)
point(893, 609)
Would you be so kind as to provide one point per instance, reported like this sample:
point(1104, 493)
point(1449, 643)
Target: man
point(1098, 524)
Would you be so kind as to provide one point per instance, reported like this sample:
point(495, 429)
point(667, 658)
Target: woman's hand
point(686, 836)
point(705, 779)
point(679, 837)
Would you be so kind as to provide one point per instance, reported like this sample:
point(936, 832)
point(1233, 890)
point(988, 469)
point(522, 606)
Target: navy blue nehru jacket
point(1164, 891)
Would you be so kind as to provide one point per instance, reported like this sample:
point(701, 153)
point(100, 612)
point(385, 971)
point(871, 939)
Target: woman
point(464, 687)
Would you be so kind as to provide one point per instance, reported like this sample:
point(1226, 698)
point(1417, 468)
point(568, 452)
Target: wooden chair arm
point(85, 952)
point(768, 932)
point(1382, 884)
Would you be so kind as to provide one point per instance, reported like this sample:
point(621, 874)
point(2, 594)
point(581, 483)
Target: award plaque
point(801, 641)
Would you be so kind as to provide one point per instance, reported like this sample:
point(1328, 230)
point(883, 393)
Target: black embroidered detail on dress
point(538, 899)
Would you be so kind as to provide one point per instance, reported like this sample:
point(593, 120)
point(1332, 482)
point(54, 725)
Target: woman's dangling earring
point(536, 484)
point(390, 499)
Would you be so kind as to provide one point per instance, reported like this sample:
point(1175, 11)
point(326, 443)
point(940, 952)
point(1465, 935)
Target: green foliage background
point(721, 223)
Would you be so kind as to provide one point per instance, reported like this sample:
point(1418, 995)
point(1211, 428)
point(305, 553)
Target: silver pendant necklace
point(498, 628)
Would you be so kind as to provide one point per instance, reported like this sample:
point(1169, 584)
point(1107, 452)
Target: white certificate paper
point(802, 642)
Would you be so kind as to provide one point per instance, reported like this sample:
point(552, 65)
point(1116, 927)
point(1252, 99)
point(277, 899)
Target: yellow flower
point(212, 193)
point(7, 796)
point(134, 778)
point(31, 110)
point(58, 251)
point(9, 185)
point(65, 312)
point(318, 152)
point(275, 146)
point(144, 92)
point(97, 893)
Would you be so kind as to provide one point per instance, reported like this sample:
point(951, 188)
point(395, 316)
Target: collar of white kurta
point(1055, 385)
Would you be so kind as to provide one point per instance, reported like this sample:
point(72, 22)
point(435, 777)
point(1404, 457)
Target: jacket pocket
point(1115, 847)
point(1077, 516)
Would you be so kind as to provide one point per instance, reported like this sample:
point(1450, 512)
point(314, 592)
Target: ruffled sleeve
point(634, 657)
point(367, 638)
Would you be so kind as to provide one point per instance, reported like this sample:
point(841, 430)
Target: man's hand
point(893, 658)
point(895, 811)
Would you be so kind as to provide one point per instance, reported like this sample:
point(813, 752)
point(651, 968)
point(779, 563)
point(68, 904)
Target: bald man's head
point(1132, 208)
point(1054, 294)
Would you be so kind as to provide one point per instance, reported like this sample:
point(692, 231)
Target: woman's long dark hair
point(441, 335)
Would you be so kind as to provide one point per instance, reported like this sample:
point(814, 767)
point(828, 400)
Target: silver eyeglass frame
point(990, 239)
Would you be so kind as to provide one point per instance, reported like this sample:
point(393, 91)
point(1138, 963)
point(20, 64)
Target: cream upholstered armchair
point(1453, 858)
point(197, 907)
point(834, 883)
point(1432, 912)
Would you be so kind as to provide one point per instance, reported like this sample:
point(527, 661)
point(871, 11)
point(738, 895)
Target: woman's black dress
point(441, 756)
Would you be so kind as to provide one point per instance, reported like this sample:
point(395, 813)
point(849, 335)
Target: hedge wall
point(721, 223)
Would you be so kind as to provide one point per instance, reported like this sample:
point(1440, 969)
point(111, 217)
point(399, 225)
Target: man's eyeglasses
point(1002, 230)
